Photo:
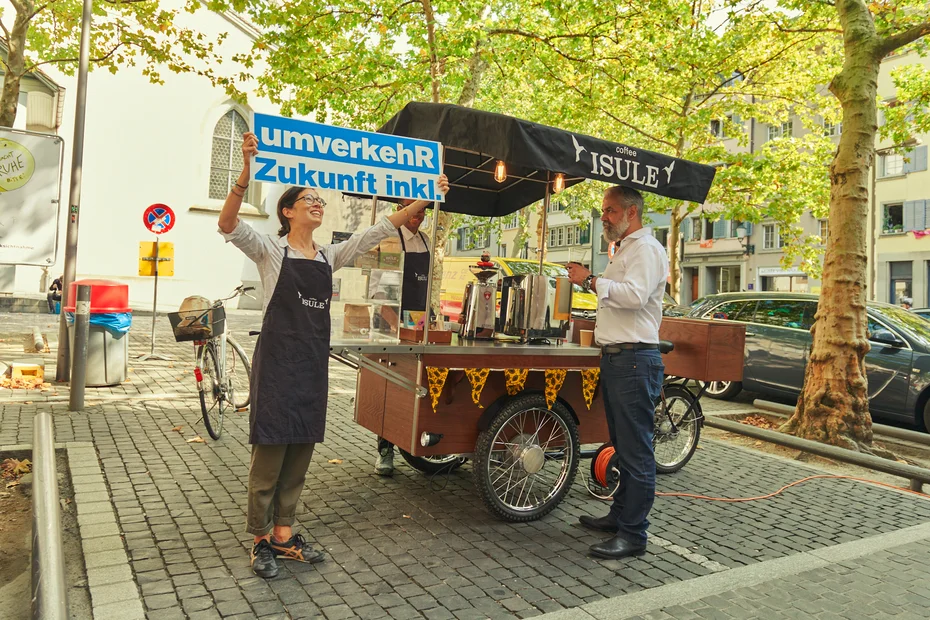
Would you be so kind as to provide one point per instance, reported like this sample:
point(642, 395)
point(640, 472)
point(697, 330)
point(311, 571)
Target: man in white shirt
point(629, 311)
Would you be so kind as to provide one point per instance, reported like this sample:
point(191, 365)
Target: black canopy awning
point(474, 141)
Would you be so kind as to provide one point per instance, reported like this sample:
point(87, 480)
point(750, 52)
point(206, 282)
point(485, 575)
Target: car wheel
point(924, 422)
point(723, 390)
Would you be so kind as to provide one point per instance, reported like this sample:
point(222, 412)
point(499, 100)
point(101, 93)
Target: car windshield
point(913, 325)
point(520, 268)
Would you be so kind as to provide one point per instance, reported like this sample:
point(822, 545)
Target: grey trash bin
point(107, 356)
point(107, 351)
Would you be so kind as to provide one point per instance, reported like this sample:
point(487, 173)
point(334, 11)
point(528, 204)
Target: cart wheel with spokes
point(526, 460)
point(437, 464)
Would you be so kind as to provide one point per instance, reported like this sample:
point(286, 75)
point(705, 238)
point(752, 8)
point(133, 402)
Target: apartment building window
point(556, 237)
point(891, 165)
point(695, 229)
point(771, 237)
point(832, 130)
point(893, 218)
point(473, 239)
point(571, 234)
point(716, 128)
point(901, 280)
point(511, 221)
point(661, 235)
point(784, 130)
point(502, 249)
point(824, 229)
point(897, 164)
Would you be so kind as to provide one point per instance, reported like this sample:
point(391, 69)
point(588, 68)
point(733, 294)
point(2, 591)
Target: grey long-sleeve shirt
point(267, 251)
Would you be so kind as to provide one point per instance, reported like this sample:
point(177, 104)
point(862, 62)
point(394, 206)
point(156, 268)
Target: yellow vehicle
point(456, 274)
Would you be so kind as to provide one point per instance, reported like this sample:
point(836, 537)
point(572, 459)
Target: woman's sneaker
point(296, 549)
point(263, 562)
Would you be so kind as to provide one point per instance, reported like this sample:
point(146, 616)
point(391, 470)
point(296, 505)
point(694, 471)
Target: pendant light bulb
point(558, 184)
point(500, 172)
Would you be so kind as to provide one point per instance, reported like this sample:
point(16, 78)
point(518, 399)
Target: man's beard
point(613, 233)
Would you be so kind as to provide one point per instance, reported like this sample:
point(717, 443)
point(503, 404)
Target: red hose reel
point(605, 467)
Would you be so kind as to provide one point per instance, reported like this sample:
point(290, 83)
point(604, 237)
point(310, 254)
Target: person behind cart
point(413, 287)
point(54, 293)
point(290, 367)
point(629, 311)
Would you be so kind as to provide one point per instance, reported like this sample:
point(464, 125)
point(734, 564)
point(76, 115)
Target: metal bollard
point(79, 359)
point(49, 593)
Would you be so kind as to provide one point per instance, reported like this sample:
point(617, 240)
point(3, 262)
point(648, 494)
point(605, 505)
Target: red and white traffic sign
point(158, 218)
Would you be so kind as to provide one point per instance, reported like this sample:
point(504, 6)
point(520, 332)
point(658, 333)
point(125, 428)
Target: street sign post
point(159, 219)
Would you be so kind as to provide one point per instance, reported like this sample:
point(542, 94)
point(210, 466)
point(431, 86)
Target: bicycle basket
point(198, 324)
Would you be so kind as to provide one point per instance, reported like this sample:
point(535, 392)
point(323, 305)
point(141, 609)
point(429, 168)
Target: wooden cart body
point(705, 350)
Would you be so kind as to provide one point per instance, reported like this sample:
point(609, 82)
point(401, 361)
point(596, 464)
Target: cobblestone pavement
point(408, 546)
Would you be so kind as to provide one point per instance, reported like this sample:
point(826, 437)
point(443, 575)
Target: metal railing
point(918, 476)
point(49, 594)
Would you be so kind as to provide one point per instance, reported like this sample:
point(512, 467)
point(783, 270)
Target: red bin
point(105, 296)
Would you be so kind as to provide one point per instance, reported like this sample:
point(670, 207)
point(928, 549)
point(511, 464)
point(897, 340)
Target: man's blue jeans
point(631, 381)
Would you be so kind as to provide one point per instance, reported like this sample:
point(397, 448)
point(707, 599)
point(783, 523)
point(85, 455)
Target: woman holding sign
point(290, 368)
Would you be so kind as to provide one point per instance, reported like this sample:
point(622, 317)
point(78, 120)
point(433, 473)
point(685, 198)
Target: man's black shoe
point(616, 548)
point(601, 524)
point(263, 563)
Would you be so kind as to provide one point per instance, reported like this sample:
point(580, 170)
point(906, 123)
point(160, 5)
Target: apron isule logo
point(312, 303)
point(607, 165)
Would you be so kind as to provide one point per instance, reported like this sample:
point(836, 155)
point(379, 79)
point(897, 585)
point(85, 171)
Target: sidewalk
point(878, 577)
point(411, 547)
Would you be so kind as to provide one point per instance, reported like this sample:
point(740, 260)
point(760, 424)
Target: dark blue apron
point(290, 368)
point(416, 277)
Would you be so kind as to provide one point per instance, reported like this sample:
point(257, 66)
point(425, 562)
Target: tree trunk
point(15, 64)
point(476, 67)
point(834, 405)
point(674, 262)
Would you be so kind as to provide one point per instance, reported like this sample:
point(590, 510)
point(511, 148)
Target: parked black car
point(778, 344)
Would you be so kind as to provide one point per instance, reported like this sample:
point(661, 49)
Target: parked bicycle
point(222, 369)
point(678, 421)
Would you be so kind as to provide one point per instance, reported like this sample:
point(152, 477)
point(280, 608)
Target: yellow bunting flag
point(555, 377)
point(477, 377)
point(437, 379)
point(589, 379)
point(515, 378)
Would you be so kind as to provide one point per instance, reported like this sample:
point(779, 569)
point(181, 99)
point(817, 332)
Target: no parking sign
point(158, 218)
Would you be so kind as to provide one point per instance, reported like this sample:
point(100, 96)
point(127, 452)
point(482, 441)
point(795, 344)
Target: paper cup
point(586, 337)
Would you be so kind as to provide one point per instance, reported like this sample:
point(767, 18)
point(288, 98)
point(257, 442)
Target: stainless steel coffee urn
point(535, 306)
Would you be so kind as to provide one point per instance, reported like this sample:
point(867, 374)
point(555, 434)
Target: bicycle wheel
point(212, 400)
point(239, 373)
point(676, 434)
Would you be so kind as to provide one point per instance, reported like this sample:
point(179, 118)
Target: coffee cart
point(520, 408)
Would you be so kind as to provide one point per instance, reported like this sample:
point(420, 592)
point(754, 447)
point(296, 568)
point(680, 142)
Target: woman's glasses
point(312, 200)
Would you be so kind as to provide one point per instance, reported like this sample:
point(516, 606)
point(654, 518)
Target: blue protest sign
point(294, 152)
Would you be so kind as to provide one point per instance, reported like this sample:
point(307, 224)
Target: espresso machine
point(479, 304)
point(535, 307)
